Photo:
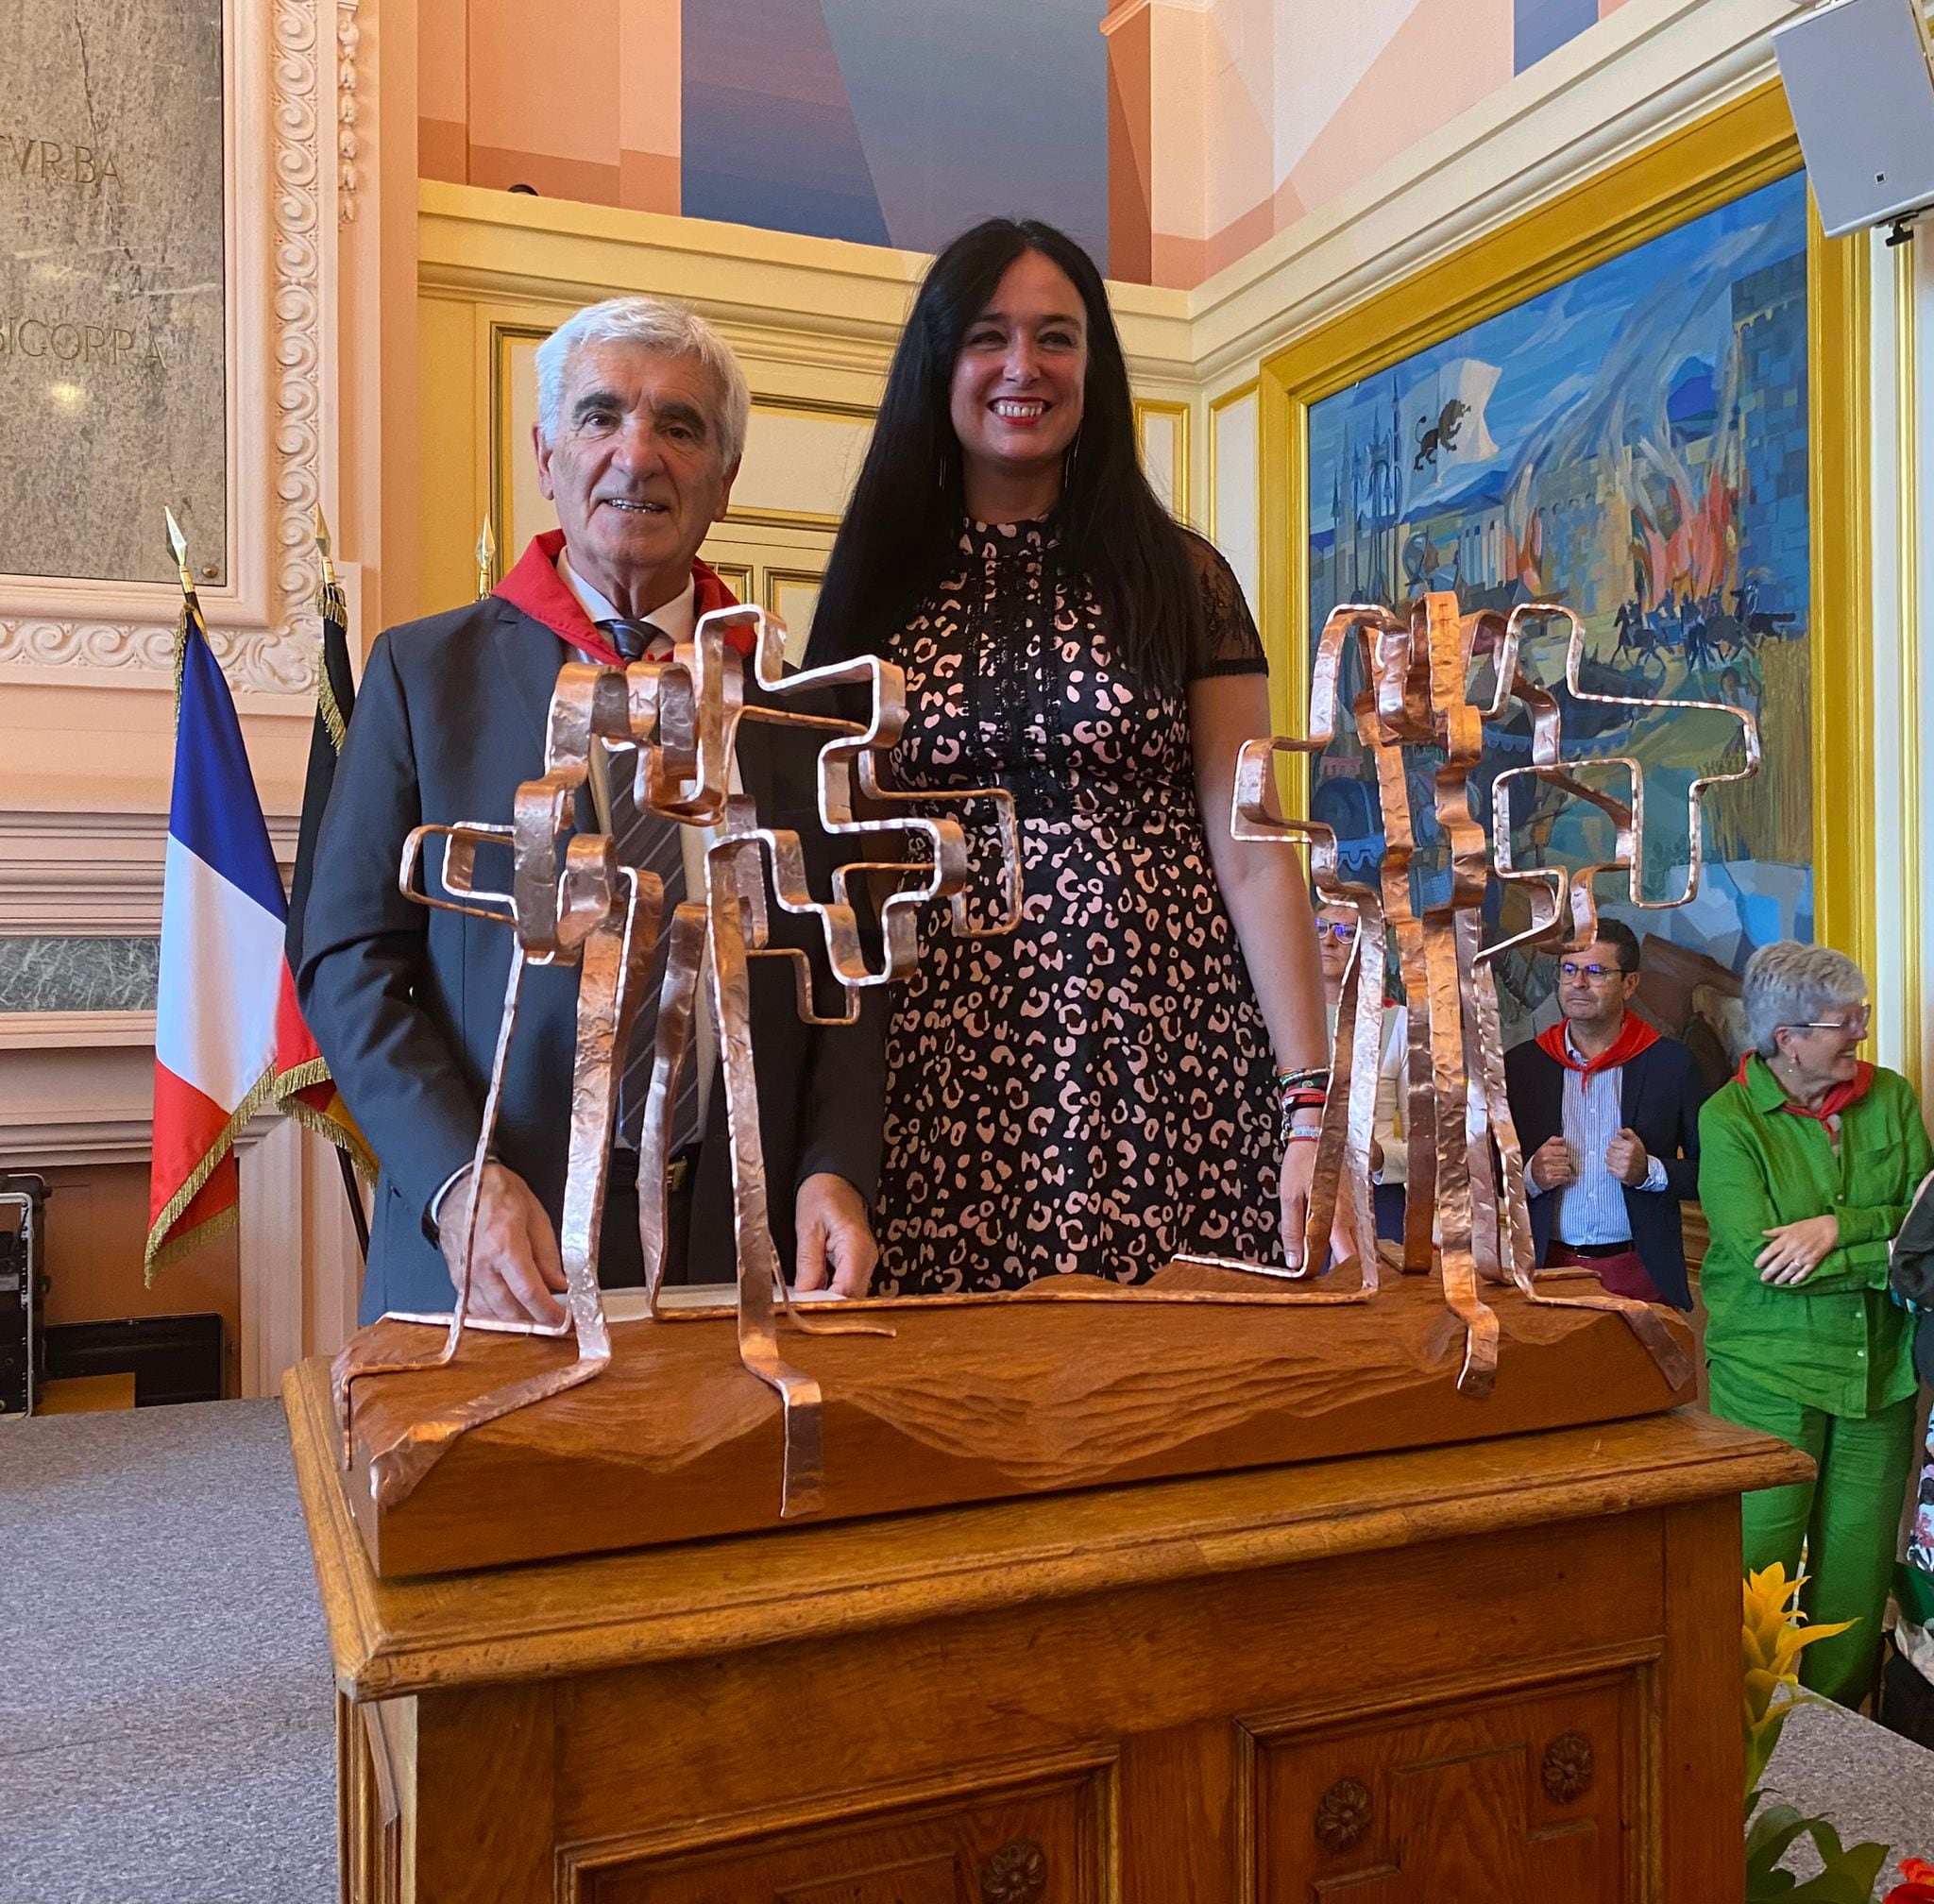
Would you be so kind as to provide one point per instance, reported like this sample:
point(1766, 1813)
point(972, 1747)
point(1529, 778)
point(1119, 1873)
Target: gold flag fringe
point(181, 627)
point(339, 1130)
point(330, 710)
point(332, 606)
point(160, 1249)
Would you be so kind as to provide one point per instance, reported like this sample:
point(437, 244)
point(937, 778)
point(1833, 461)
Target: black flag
point(322, 1107)
point(335, 698)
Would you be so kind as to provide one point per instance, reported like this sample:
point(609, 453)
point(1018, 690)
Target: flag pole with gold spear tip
point(487, 559)
point(191, 608)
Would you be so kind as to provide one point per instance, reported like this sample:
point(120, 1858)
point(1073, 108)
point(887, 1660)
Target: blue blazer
point(1661, 1093)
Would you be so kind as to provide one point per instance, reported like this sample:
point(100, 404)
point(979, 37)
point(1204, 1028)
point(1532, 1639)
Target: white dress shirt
point(1592, 1208)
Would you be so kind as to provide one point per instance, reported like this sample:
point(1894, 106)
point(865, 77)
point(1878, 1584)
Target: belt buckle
point(676, 1171)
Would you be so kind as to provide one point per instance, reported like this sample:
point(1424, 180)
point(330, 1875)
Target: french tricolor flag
point(228, 1036)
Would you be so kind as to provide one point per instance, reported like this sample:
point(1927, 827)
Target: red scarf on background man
point(1634, 1036)
point(537, 588)
point(1836, 1099)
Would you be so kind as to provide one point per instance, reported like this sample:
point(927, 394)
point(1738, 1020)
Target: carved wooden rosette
point(1344, 1816)
point(1567, 1768)
point(1016, 1874)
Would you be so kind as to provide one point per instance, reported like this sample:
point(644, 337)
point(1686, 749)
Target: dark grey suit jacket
point(405, 1002)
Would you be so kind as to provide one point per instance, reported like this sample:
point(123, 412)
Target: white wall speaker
point(1859, 77)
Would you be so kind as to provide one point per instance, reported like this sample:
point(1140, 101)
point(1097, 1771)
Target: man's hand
point(1794, 1251)
point(835, 1238)
point(1550, 1165)
point(515, 1267)
point(1626, 1157)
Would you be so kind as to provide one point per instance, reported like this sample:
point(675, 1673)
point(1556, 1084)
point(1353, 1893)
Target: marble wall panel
point(56, 974)
point(112, 386)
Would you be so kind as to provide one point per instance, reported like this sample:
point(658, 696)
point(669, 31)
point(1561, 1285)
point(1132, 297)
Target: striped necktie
point(654, 845)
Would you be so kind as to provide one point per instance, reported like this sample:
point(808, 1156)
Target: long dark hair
point(900, 529)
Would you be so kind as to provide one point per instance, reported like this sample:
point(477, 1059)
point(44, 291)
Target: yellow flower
point(1772, 1641)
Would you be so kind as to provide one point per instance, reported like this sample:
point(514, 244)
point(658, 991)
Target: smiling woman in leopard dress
point(1097, 1091)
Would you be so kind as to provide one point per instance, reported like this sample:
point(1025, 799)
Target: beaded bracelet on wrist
point(1309, 1078)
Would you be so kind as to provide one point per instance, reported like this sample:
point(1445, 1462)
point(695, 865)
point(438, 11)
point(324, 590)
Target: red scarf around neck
point(1836, 1099)
point(1634, 1036)
point(537, 588)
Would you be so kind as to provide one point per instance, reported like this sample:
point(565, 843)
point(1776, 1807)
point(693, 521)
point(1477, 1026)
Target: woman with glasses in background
point(1808, 1160)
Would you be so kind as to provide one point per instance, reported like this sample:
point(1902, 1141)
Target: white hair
point(654, 324)
point(1788, 983)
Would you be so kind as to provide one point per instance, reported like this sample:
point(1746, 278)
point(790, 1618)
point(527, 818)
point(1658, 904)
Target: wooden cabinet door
point(1041, 1846)
point(1521, 1800)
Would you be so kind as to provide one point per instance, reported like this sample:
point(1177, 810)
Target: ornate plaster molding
point(296, 305)
point(86, 644)
point(348, 41)
point(278, 111)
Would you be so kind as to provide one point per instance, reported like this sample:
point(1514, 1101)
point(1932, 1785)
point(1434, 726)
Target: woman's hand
point(1297, 1174)
point(1794, 1251)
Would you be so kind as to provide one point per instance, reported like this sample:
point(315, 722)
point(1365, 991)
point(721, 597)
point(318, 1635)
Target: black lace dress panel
point(1095, 1092)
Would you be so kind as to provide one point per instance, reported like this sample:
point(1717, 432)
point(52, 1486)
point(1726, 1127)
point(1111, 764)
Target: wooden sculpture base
point(676, 1442)
point(1506, 1672)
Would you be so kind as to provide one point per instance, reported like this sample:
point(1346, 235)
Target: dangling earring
point(1068, 462)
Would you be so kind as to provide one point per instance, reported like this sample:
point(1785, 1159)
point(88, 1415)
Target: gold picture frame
point(1177, 416)
point(1723, 156)
point(505, 451)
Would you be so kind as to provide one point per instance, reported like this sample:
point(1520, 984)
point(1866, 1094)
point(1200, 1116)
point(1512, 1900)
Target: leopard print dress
point(1094, 1093)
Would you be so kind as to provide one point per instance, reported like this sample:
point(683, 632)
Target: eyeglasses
point(1597, 973)
point(1338, 930)
point(1853, 1025)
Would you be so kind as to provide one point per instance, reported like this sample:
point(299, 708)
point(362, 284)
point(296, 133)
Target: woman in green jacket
point(1807, 1162)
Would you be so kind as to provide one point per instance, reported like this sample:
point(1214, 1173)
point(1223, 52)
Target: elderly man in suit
point(1607, 1111)
point(642, 414)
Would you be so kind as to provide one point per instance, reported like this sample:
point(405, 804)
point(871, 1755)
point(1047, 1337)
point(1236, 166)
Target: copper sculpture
point(572, 903)
point(1465, 1165)
point(682, 716)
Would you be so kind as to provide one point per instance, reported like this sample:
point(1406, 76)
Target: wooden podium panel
point(675, 1440)
point(1503, 1669)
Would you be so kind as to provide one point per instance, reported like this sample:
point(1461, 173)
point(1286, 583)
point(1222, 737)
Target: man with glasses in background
point(1607, 1111)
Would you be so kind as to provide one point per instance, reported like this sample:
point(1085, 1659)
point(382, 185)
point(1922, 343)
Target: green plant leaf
point(1769, 1835)
point(1832, 1887)
point(1848, 1875)
point(1759, 1749)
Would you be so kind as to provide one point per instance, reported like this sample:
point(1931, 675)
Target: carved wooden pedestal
point(677, 1441)
point(1500, 1672)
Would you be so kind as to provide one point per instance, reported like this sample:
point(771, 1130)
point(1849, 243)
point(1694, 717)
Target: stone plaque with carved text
point(112, 389)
